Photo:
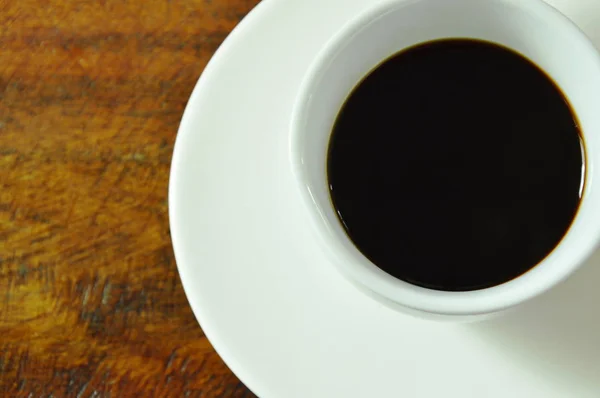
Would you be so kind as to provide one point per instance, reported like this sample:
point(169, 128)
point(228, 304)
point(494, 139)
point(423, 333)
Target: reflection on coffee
point(456, 165)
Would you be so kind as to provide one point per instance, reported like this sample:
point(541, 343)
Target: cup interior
point(530, 27)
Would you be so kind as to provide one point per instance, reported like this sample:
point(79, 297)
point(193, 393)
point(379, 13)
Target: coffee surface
point(456, 165)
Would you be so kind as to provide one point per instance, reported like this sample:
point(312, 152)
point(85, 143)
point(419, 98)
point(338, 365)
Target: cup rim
point(478, 302)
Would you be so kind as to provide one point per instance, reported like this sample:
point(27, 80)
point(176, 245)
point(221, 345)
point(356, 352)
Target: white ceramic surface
point(532, 28)
point(276, 310)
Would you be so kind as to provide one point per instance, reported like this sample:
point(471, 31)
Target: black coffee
point(456, 165)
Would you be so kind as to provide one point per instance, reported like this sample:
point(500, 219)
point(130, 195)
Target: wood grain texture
point(91, 94)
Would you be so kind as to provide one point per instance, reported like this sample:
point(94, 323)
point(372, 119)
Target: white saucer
point(277, 312)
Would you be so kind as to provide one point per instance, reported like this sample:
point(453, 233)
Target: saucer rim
point(186, 128)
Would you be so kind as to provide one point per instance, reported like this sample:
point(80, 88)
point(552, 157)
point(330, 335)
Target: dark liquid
point(456, 165)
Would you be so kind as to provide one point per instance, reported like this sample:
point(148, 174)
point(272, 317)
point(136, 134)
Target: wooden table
point(91, 94)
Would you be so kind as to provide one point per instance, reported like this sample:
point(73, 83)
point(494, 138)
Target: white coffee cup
point(532, 28)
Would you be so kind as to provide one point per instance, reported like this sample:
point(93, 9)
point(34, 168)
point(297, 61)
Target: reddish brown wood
point(91, 94)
